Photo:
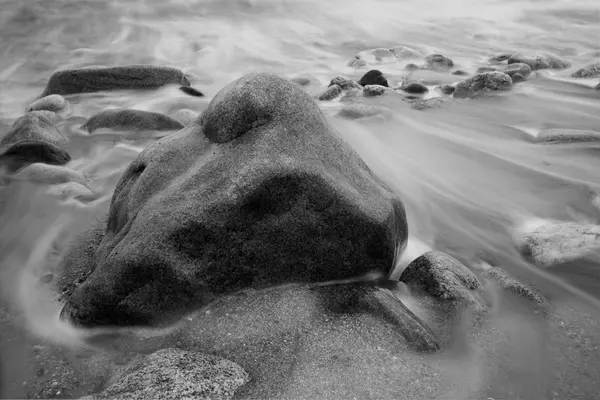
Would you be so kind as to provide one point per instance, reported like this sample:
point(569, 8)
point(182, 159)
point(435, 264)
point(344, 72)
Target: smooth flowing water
point(470, 173)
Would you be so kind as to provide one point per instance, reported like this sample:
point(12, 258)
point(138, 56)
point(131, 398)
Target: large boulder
point(95, 79)
point(259, 191)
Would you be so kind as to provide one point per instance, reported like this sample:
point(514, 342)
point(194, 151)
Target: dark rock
point(330, 93)
point(344, 83)
point(567, 136)
point(447, 89)
point(438, 62)
point(589, 71)
point(500, 57)
point(518, 78)
point(488, 82)
point(517, 68)
point(376, 90)
point(460, 72)
point(414, 88)
point(123, 120)
point(33, 126)
point(482, 70)
point(443, 277)
point(403, 53)
point(559, 243)
point(177, 374)
point(55, 103)
point(373, 77)
point(191, 91)
point(88, 80)
point(539, 62)
point(411, 67)
point(24, 153)
point(302, 81)
point(260, 192)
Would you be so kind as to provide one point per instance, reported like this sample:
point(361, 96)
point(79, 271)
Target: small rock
point(186, 116)
point(539, 62)
point(589, 71)
point(55, 103)
point(414, 88)
point(356, 63)
point(481, 70)
point(500, 57)
point(373, 77)
point(356, 111)
point(460, 72)
point(518, 78)
point(344, 83)
point(567, 136)
point(302, 81)
point(176, 374)
point(559, 243)
point(191, 91)
point(411, 67)
point(377, 56)
point(47, 277)
point(438, 62)
point(443, 277)
point(483, 83)
point(517, 68)
point(403, 53)
point(375, 90)
point(331, 93)
point(447, 89)
point(33, 126)
point(134, 120)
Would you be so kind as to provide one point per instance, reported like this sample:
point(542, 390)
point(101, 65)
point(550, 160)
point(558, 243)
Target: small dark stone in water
point(517, 78)
point(373, 77)
point(460, 72)
point(47, 278)
point(415, 88)
point(447, 89)
point(411, 67)
point(191, 91)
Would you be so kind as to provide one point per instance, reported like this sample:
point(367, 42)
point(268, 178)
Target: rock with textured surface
point(89, 80)
point(356, 111)
point(260, 191)
point(24, 153)
point(33, 126)
point(376, 90)
point(330, 93)
point(567, 136)
point(134, 120)
point(438, 62)
point(589, 71)
point(517, 68)
point(55, 103)
point(344, 83)
point(559, 243)
point(373, 77)
point(443, 277)
point(177, 374)
point(404, 52)
point(414, 88)
point(539, 61)
point(480, 84)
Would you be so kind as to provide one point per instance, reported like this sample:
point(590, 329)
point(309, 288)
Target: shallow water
point(470, 173)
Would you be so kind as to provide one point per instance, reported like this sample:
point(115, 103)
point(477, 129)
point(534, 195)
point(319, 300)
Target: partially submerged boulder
point(438, 62)
point(443, 277)
point(24, 153)
point(176, 374)
point(537, 62)
point(89, 80)
point(480, 84)
point(517, 68)
point(414, 88)
point(33, 126)
point(55, 103)
point(376, 90)
point(559, 135)
point(373, 77)
point(134, 120)
point(261, 191)
point(558, 243)
point(330, 93)
point(589, 71)
point(344, 83)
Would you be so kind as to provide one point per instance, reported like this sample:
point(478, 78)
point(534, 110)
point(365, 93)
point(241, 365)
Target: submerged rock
point(356, 111)
point(539, 62)
point(500, 57)
point(589, 71)
point(481, 70)
point(186, 116)
point(330, 93)
point(559, 243)
point(567, 136)
point(344, 83)
point(447, 89)
point(177, 374)
point(55, 103)
point(377, 56)
point(482, 84)
point(376, 90)
point(438, 62)
point(404, 52)
point(460, 72)
point(373, 77)
point(123, 120)
point(517, 68)
point(411, 67)
point(33, 126)
point(49, 174)
point(414, 88)
point(356, 63)
point(69, 190)
point(302, 81)
point(260, 192)
point(88, 80)
point(518, 78)
point(443, 277)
